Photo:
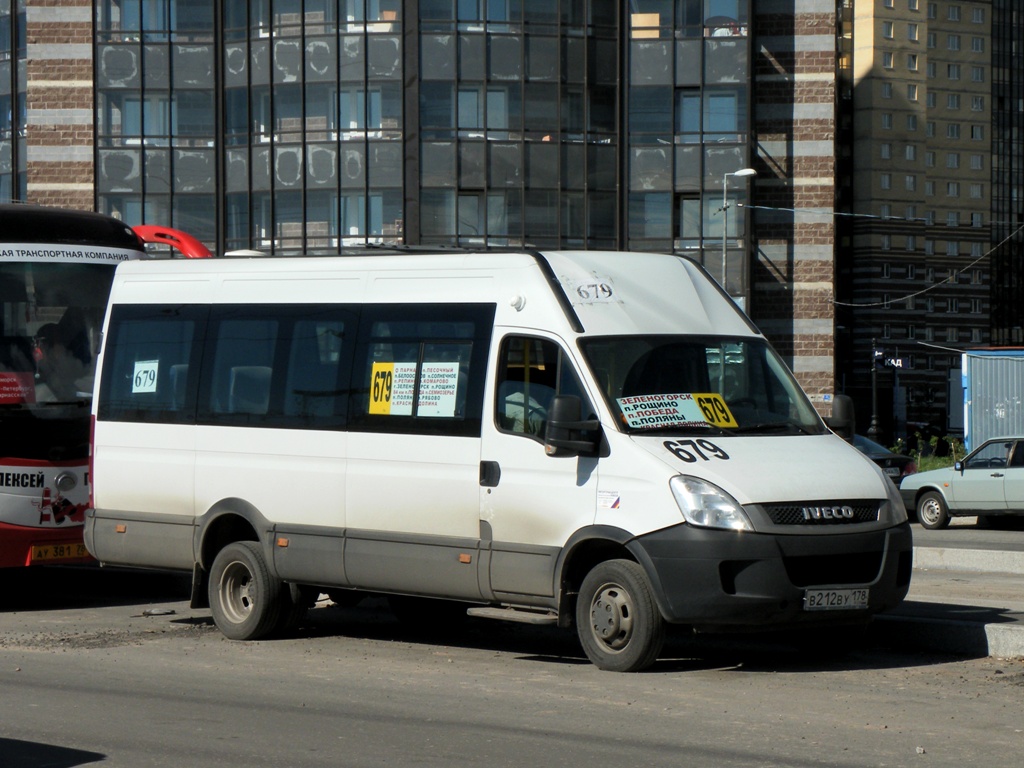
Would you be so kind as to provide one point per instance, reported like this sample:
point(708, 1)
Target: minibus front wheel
point(617, 619)
point(244, 598)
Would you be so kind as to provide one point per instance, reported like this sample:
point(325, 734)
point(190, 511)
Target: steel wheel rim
point(236, 592)
point(930, 512)
point(611, 617)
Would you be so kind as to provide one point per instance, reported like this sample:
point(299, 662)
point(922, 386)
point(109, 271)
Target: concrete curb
point(980, 623)
point(973, 560)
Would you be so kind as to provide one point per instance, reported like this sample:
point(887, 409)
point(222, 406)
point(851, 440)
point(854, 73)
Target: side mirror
point(842, 421)
point(567, 434)
point(959, 467)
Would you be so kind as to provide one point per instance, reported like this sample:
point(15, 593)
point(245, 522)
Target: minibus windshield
point(698, 384)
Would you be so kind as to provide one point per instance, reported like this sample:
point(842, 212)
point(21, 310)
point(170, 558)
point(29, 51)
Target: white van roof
point(602, 292)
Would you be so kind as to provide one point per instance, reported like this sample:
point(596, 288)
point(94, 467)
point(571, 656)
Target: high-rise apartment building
point(914, 253)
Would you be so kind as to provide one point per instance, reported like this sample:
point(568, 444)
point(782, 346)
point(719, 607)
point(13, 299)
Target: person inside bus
point(63, 359)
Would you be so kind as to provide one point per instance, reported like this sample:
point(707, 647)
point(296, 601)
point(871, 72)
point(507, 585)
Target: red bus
point(56, 267)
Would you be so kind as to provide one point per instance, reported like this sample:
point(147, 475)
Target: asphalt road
point(112, 667)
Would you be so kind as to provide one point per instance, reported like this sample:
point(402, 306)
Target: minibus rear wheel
point(618, 622)
point(244, 598)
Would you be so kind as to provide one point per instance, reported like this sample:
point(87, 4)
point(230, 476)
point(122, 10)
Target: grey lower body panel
point(140, 539)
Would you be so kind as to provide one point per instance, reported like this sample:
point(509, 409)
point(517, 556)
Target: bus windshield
point(699, 384)
point(50, 318)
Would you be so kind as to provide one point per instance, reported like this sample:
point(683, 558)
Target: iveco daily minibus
point(601, 440)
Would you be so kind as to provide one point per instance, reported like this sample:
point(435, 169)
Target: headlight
point(708, 506)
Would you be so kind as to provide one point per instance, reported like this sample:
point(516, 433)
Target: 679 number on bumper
point(835, 599)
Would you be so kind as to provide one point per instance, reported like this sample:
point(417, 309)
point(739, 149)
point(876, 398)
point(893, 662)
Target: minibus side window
point(150, 358)
point(282, 366)
point(419, 368)
point(531, 371)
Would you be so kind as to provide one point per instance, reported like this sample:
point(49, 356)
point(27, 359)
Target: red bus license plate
point(50, 553)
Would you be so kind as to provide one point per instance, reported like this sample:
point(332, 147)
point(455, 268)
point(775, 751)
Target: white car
point(989, 482)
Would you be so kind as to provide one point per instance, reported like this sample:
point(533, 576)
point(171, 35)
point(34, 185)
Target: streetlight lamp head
point(744, 172)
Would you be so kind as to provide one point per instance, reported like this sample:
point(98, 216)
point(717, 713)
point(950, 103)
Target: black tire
point(617, 620)
point(932, 512)
point(246, 601)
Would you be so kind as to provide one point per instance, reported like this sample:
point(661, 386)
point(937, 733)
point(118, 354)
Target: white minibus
point(595, 439)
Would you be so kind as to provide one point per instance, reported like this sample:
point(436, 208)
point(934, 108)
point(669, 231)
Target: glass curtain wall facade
point(294, 126)
point(13, 85)
point(157, 136)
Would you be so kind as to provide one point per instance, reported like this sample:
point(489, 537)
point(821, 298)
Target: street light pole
point(743, 172)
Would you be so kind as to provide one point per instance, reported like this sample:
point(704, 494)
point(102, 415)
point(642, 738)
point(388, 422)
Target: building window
point(952, 130)
point(911, 92)
point(911, 271)
point(953, 219)
point(977, 103)
point(887, 27)
point(886, 330)
point(886, 150)
point(887, 59)
point(929, 129)
point(953, 42)
point(885, 181)
point(932, 70)
point(976, 249)
point(952, 160)
point(933, 10)
point(952, 247)
point(911, 246)
point(978, 132)
point(911, 213)
point(953, 71)
point(885, 245)
point(912, 63)
point(887, 121)
point(953, 306)
point(953, 13)
point(977, 74)
point(886, 270)
point(930, 100)
point(975, 306)
point(912, 32)
point(929, 250)
point(977, 162)
point(929, 277)
point(912, 5)
point(911, 122)
point(910, 152)
point(929, 159)
point(911, 332)
point(976, 222)
point(929, 304)
point(978, 44)
point(953, 101)
point(976, 336)
point(910, 182)
point(929, 189)
point(933, 39)
point(978, 15)
point(886, 90)
point(977, 191)
point(885, 211)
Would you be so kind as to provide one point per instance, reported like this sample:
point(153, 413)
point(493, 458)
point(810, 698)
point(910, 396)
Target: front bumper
point(714, 579)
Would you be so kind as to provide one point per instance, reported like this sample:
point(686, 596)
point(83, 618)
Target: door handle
point(996, 474)
point(490, 474)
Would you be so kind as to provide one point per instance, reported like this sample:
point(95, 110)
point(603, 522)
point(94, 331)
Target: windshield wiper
point(774, 426)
